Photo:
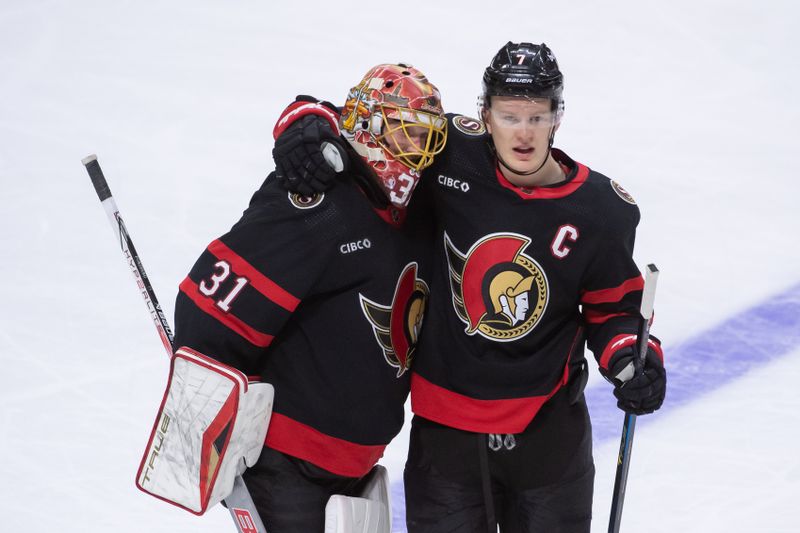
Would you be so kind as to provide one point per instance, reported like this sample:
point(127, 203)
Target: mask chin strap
point(371, 154)
point(512, 169)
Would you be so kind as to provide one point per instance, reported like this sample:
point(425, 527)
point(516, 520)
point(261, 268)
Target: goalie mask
point(394, 120)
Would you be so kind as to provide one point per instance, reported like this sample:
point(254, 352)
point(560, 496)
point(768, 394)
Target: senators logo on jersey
point(622, 193)
point(306, 202)
point(469, 125)
point(498, 291)
point(397, 326)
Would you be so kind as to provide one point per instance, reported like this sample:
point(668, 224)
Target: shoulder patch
point(305, 202)
point(469, 125)
point(622, 193)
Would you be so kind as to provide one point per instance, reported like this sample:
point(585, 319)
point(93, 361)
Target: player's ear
point(485, 117)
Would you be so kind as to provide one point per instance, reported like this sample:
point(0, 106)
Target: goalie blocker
point(211, 425)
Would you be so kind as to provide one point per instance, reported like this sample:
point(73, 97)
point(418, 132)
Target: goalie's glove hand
point(638, 394)
point(308, 155)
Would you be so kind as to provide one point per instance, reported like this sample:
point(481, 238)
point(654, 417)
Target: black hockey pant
point(541, 480)
point(290, 494)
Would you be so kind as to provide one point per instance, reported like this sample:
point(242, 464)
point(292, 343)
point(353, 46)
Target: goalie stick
point(239, 502)
point(629, 425)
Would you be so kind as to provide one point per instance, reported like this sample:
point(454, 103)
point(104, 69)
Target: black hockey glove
point(637, 394)
point(308, 155)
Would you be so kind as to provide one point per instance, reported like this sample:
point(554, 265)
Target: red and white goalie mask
point(394, 120)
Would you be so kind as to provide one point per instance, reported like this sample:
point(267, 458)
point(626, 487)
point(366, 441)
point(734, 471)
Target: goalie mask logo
point(397, 326)
point(498, 291)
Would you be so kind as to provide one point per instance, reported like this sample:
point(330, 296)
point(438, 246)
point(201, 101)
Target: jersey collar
point(392, 215)
point(576, 176)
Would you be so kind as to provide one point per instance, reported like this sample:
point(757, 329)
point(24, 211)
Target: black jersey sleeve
point(247, 283)
point(612, 290)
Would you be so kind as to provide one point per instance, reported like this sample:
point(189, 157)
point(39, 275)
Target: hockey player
point(533, 259)
point(322, 297)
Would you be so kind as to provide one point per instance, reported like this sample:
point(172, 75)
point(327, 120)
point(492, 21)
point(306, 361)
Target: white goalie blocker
point(210, 427)
point(371, 513)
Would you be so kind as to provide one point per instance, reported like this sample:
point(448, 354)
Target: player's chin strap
point(519, 172)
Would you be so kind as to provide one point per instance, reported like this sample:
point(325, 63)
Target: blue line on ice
point(698, 365)
point(713, 358)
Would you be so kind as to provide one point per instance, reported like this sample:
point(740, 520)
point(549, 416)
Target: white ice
point(691, 105)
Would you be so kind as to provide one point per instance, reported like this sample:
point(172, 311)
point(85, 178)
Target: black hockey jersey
point(322, 298)
point(523, 277)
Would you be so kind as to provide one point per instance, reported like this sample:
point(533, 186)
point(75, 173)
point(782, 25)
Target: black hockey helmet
point(524, 69)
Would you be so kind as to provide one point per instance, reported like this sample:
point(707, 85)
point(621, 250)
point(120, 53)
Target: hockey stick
point(239, 502)
point(629, 425)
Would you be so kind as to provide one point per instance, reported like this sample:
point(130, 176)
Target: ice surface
point(691, 105)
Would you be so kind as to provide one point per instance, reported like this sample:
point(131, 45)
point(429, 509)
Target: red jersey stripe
point(598, 317)
point(614, 294)
point(452, 409)
point(259, 281)
point(335, 455)
point(206, 304)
